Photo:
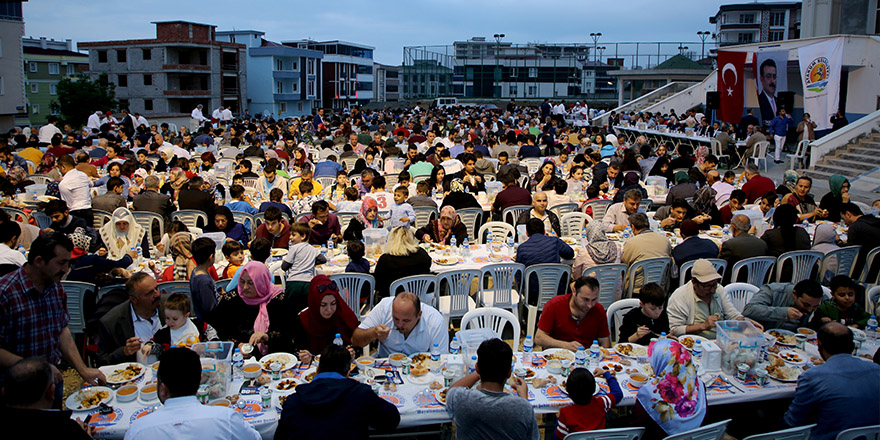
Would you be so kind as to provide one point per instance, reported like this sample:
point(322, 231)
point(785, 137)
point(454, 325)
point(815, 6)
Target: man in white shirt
point(94, 121)
point(722, 188)
point(178, 151)
point(216, 113)
point(617, 216)
point(9, 233)
point(74, 189)
point(430, 140)
point(140, 120)
point(109, 119)
point(182, 415)
point(402, 324)
point(49, 130)
point(226, 115)
point(196, 118)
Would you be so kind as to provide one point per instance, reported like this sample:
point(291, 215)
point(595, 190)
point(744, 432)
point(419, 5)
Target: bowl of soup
point(148, 392)
point(219, 402)
point(127, 393)
point(251, 370)
point(396, 359)
point(365, 362)
point(638, 380)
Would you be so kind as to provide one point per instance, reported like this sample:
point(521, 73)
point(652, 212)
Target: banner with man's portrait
point(770, 76)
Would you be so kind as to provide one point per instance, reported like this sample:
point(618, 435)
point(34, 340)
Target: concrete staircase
point(858, 158)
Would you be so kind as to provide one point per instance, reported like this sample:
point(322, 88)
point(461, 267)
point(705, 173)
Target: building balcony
point(187, 68)
point(187, 93)
point(285, 74)
point(287, 96)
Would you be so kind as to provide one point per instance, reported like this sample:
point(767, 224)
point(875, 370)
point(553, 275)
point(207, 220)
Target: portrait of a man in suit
point(767, 98)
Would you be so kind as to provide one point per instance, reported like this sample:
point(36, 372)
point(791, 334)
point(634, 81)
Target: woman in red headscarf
point(259, 315)
point(326, 315)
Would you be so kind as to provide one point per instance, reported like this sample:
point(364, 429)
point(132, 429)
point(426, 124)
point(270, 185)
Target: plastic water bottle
point(324, 250)
point(237, 363)
point(595, 353)
point(698, 351)
point(435, 352)
point(330, 244)
point(454, 346)
point(528, 345)
point(23, 251)
point(434, 193)
point(726, 232)
point(626, 233)
point(338, 340)
point(465, 249)
point(662, 335)
point(452, 242)
point(511, 244)
point(871, 328)
point(140, 253)
point(472, 368)
point(580, 358)
point(488, 237)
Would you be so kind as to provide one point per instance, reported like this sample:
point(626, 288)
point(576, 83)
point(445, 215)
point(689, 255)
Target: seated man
point(644, 243)
point(842, 393)
point(324, 224)
point(402, 324)
point(491, 412)
point(617, 216)
point(693, 246)
point(695, 307)
point(671, 216)
point(181, 415)
point(743, 244)
point(29, 394)
point(333, 406)
point(540, 248)
point(275, 229)
point(122, 330)
point(539, 211)
point(574, 320)
point(511, 195)
point(112, 199)
point(785, 305)
point(269, 181)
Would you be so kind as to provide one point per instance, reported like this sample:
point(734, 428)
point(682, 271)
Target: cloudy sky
point(387, 25)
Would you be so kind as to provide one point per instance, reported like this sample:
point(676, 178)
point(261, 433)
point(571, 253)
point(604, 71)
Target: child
point(357, 263)
point(649, 320)
point(261, 250)
point(402, 213)
point(587, 412)
point(377, 192)
point(238, 179)
point(592, 194)
point(404, 179)
point(179, 330)
point(299, 265)
point(337, 190)
point(422, 198)
point(303, 204)
point(275, 200)
point(241, 202)
point(558, 196)
point(351, 203)
point(234, 254)
point(201, 283)
point(842, 307)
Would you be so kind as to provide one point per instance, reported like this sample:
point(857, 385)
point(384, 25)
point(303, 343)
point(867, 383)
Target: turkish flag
point(731, 77)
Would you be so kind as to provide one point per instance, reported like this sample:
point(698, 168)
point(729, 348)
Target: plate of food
point(810, 333)
point(784, 373)
point(286, 360)
point(613, 367)
point(783, 337)
point(688, 341)
point(560, 354)
point(124, 373)
point(286, 385)
point(632, 351)
point(89, 398)
point(447, 261)
point(792, 357)
point(715, 233)
point(441, 395)
point(613, 236)
point(526, 374)
point(571, 241)
point(309, 375)
point(279, 252)
point(420, 359)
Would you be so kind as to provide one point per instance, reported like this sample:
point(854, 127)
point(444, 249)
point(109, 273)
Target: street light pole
point(703, 36)
point(681, 49)
point(595, 37)
point(498, 38)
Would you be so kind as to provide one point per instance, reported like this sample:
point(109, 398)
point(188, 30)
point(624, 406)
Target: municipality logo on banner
point(816, 75)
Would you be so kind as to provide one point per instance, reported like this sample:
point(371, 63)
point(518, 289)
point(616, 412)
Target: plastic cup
point(276, 370)
point(761, 376)
point(741, 370)
point(801, 340)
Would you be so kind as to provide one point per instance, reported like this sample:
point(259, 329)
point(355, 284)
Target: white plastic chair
point(803, 263)
point(523, 181)
point(756, 268)
point(18, 215)
point(472, 218)
point(391, 181)
point(572, 224)
point(740, 294)
point(563, 208)
point(492, 318)
point(247, 220)
point(348, 162)
point(873, 300)
point(599, 208)
point(146, 220)
point(502, 293)
point(716, 150)
point(326, 181)
point(614, 314)
point(760, 153)
point(610, 277)
point(190, 217)
point(870, 261)
point(497, 229)
point(350, 287)
point(550, 277)
point(845, 259)
point(684, 272)
point(453, 292)
point(40, 179)
point(424, 215)
point(511, 214)
point(799, 155)
point(76, 292)
point(798, 433)
point(714, 431)
point(862, 433)
point(532, 164)
point(277, 272)
point(422, 286)
point(345, 218)
point(653, 270)
point(608, 434)
point(102, 217)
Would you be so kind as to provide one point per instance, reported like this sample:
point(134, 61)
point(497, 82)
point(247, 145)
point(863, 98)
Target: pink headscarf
point(262, 279)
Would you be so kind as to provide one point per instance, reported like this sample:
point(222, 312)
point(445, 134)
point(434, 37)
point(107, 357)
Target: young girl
point(842, 306)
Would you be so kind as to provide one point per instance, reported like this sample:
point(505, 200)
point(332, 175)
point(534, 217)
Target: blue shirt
point(694, 248)
point(327, 168)
point(779, 126)
point(284, 208)
point(528, 150)
point(242, 206)
point(126, 183)
point(842, 393)
point(540, 248)
point(400, 211)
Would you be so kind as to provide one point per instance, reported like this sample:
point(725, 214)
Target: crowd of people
point(302, 174)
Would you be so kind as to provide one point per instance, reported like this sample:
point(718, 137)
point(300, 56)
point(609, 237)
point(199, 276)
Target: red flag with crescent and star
point(731, 77)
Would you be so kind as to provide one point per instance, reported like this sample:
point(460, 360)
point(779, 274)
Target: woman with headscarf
point(122, 233)
point(403, 257)
point(599, 250)
point(326, 316)
point(459, 199)
point(47, 167)
point(825, 241)
point(225, 222)
point(175, 183)
point(630, 181)
point(789, 181)
point(180, 248)
point(785, 236)
point(167, 159)
point(443, 229)
point(367, 218)
point(260, 314)
point(85, 267)
point(299, 160)
point(683, 188)
point(15, 181)
point(674, 400)
point(838, 195)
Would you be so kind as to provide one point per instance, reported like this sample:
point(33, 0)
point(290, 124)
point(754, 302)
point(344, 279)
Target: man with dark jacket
point(125, 327)
point(863, 230)
point(743, 245)
point(151, 200)
point(196, 199)
point(334, 406)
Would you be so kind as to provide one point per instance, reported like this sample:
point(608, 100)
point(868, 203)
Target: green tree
point(79, 97)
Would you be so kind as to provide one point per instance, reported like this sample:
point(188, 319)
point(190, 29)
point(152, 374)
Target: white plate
point(421, 380)
point(109, 370)
point(558, 352)
point(276, 399)
point(810, 333)
point(73, 401)
point(306, 373)
point(437, 396)
point(611, 367)
point(444, 260)
point(801, 359)
point(287, 359)
point(695, 338)
point(784, 332)
point(635, 347)
point(788, 380)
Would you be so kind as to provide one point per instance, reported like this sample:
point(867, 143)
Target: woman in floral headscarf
point(47, 167)
point(259, 315)
point(674, 400)
point(443, 229)
point(599, 250)
point(789, 181)
point(175, 182)
point(122, 233)
point(366, 219)
point(457, 198)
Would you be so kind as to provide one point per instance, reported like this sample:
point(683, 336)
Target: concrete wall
point(12, 93)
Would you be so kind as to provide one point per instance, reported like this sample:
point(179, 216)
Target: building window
point(54, 111)
point(295, 66)
point(511, 90)
point(310, 88)
point(102, 56)
point(746, 37)
point(294, 87)
point(122, 80)
point(53, 68)
point(746, 18)
point(777, 18)
point(775, 35)
point(148, 80)
point(35, 109)
point(282, 107)
point(121, 55)
point(2, 86)
point(147, 54)
point(533, 72)
point(279, 64)
point(310, 67)
point(53, 89)
point(70, 69)
point(35, 88)
point(533, 90)
point(33, 66)
point(299, 106)
point(279, 87)
point(514, 72)
point(148, 105)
